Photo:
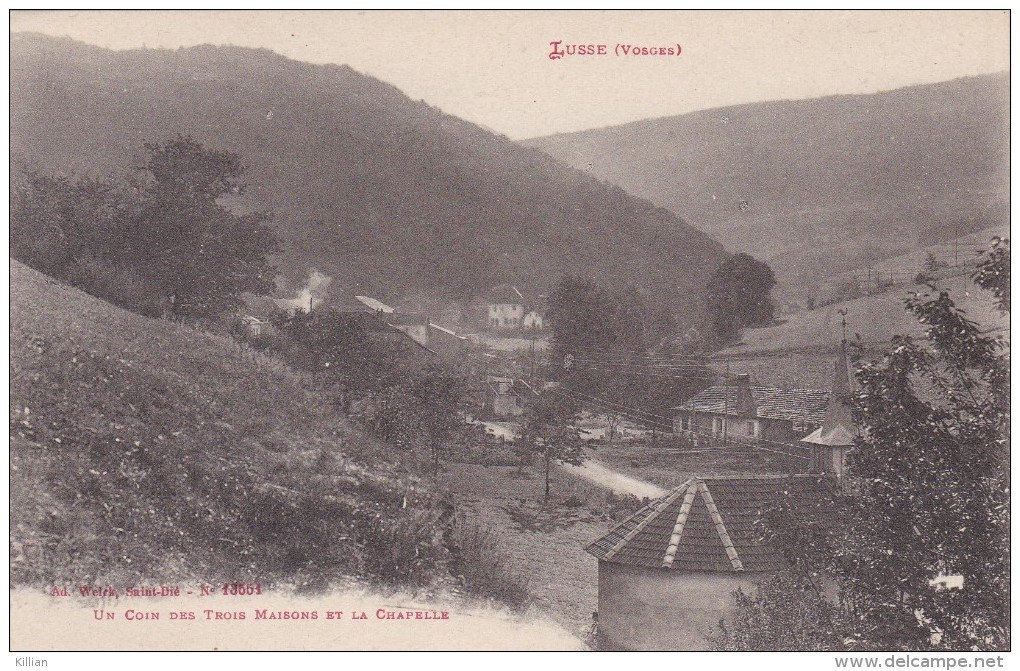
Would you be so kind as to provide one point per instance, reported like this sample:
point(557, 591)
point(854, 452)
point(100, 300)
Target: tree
point(583, 326)
point(932, 467)
point(740, 294)
point(198, 251)
point(421, 409)
point(548, 428)
point(927, 494)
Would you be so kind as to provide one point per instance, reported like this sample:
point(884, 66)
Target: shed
point(666, 575)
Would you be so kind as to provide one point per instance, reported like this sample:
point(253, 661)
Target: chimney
point(744, 405)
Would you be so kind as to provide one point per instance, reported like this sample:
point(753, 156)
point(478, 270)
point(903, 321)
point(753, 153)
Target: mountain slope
point(386, 194)
point(819, 186)
point(142, 450)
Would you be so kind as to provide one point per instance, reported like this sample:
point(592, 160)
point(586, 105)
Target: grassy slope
point(142, 449)
point(800, 349)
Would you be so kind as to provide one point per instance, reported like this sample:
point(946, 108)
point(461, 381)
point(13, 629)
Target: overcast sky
point(493, 68)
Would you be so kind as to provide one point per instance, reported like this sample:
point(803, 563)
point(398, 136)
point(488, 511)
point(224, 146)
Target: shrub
point(479, 560)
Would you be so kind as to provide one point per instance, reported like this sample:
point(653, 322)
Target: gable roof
point(801, 406)
point(406, 319)
point(709, 524)
point(373, 304)
point(260, 306)
point(371, 322)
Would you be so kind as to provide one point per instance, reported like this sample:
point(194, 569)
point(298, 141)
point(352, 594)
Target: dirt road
point(619, 483)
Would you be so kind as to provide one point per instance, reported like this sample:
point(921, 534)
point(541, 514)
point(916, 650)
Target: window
point(750, 428)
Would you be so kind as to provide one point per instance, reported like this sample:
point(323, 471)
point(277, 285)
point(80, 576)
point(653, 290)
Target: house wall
point(533, 320)
point(505, 315)
point(417, 332)
point(663, 609)
point(709, 428)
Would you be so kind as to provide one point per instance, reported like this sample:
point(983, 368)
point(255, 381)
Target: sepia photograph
point(519, 330)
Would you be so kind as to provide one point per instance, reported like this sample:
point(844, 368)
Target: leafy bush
point(480, 562)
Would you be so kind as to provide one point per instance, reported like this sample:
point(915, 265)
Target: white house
point(505, 307)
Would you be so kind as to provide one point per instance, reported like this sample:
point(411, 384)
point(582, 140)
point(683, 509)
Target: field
point(543, 543)
point(799, 350)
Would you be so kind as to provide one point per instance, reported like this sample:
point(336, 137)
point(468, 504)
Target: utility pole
point(726, 403)
point(532, 361)
point(868, 289)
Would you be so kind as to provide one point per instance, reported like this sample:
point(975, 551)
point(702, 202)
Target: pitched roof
point(709, 524)
point(805, 406)
point(374, 304)
point(260, 306)
point(407, 319)
point(370, 322)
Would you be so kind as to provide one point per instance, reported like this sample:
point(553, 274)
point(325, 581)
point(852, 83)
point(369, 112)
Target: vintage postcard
point(511, 330)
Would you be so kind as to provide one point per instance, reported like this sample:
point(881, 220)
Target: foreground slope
point(819, 186)
point(386, 194)
point(146, 450)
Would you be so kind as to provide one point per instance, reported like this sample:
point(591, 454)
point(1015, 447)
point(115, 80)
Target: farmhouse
point(667, 574)
point(256, 326)
point(507, 309)
point(740, 412)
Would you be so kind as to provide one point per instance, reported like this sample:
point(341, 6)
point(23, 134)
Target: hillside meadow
point(147, 450)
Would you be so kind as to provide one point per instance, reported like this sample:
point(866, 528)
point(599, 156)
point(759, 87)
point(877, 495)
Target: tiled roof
point(805, 406)
point(709, 524)
point(407, 319)
point(370, 322)
point(374, 304)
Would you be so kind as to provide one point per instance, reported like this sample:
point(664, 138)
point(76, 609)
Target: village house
point(415, 325)
point(254, 326)
point(744, 413)
point(533, 321)
point(448, 343)
point(506, 309)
